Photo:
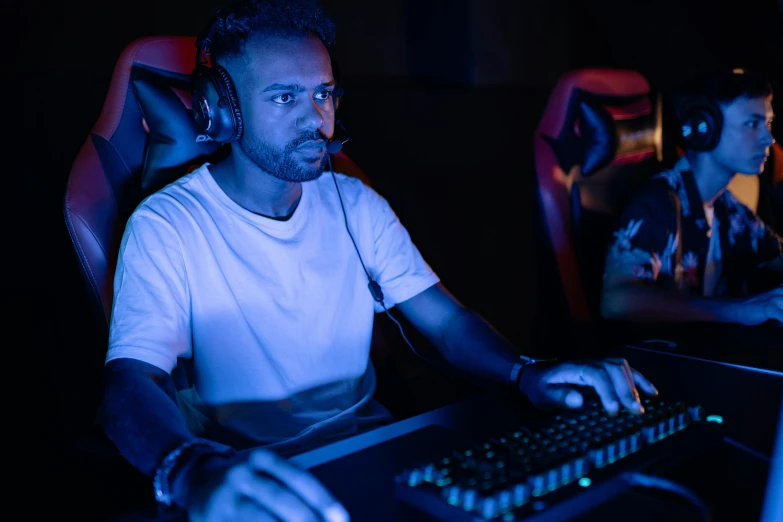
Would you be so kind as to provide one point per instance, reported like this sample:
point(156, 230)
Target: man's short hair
point(723, 87)
point(234, 23)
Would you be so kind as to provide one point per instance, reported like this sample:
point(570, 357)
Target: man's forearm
point(140, 415)
point(472, 345)
point(641, 304)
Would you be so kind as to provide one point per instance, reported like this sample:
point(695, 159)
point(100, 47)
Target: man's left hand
point(613, 380)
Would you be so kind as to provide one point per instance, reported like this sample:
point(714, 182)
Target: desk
point(759, 348)
point(479, 413)
point(713, 373)
point(382, 453)
point(360, 470)
point(733, 370)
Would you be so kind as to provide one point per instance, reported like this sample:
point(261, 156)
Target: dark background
point(442, 100)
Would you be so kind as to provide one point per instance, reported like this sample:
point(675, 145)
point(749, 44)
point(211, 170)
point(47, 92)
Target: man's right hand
point(761, 308)
point(259, 486)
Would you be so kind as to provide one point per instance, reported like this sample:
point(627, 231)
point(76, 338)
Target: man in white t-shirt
point(242, 316)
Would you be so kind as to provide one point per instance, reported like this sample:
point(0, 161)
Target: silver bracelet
point(161, 481)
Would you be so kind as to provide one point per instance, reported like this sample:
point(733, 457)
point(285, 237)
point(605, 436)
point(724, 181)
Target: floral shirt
point(664, 237)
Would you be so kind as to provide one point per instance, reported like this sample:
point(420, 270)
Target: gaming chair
point(599, 136)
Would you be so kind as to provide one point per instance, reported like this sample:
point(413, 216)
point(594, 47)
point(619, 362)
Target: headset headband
point(203, 48)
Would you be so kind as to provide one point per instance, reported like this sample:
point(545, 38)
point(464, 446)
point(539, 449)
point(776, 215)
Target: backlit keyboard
point(501, 477)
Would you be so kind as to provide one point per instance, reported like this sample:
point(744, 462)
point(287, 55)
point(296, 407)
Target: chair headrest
point(598, 118)
point(600, 132)
point(148, 111)
point(174, 146)
point(140, 137)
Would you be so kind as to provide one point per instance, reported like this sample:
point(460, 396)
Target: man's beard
point(280, 163)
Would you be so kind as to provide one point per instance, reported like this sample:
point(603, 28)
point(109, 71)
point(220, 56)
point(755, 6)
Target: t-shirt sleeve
point(399, 269)
point(150, 318)
point(645, 241)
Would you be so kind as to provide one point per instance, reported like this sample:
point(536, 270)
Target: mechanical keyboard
point(568, 461)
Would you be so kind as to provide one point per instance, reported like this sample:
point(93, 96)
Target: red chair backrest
point(600, 133)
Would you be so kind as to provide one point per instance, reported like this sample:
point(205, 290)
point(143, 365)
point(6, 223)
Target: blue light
point(585, 482)
point(715, 418)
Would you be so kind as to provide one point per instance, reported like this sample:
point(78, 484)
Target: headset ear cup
point(701, 123)
point(229, 97)
point(203, 101)
point(215, 105)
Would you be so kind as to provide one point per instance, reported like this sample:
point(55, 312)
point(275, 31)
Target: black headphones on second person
point(215, 102)
point(701, 122)
point(701, 119)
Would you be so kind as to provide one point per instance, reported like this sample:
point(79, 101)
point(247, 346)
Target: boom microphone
point(336, 144)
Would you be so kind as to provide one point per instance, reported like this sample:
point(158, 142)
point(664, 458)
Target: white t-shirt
point(268, 322)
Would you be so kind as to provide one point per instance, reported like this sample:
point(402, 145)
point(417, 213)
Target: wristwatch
point(518, 368)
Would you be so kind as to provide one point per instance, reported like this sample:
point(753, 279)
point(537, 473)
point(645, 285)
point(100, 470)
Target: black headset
point(701, 122)
point(215, 102)
point(701, 119)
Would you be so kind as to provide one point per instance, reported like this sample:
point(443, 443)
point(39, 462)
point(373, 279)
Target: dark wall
point(443, 97)
point(666, 39)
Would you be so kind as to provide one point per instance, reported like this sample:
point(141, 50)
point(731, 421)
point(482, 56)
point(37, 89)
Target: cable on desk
point(746, 449)
point(636, 479)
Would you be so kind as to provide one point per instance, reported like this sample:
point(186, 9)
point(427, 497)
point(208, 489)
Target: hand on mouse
point(761, 308)
point(258, 486)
